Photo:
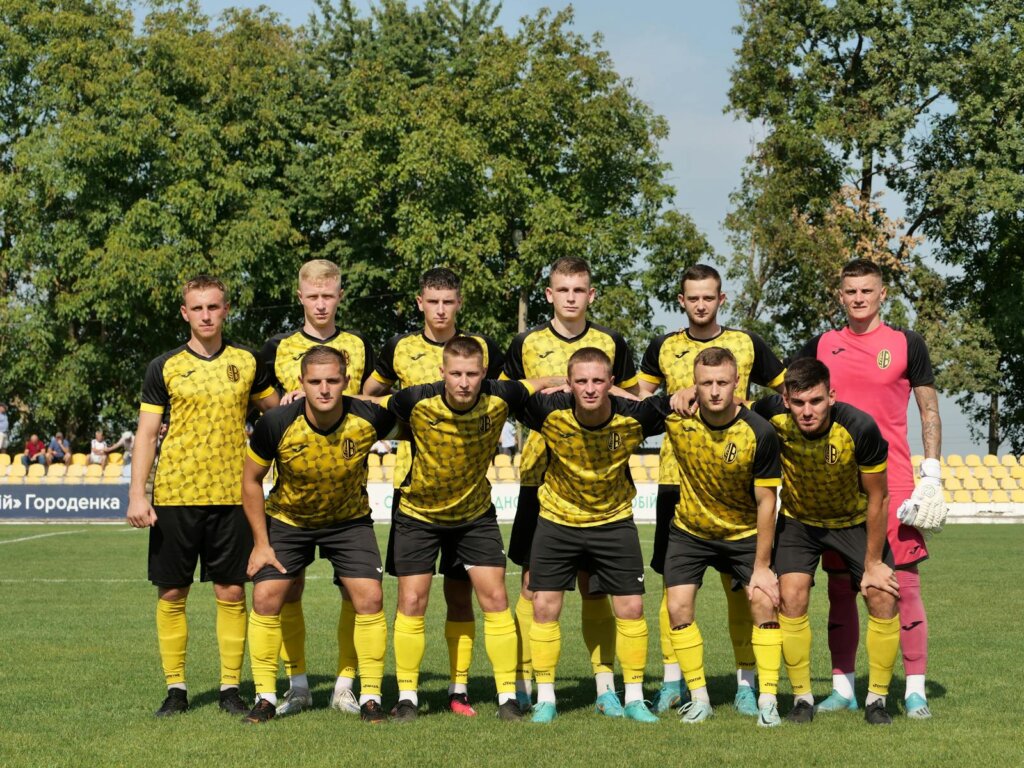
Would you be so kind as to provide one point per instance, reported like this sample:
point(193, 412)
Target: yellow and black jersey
point(588, 480)
point(451, 449)
point(821, 474)
point(282, 354)
point(668, 363)
point(542, 352)
point(206, 398)
point(719, 468)
point(321, 475)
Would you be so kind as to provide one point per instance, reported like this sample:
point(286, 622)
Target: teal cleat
point(670, 696)
point(917, 707)
point(543, 712)
point(608, 704)
point(695, 711)
point(637, 710)
point(745, 701)
point(523, 700)
point(836, 702)
point(768, 715)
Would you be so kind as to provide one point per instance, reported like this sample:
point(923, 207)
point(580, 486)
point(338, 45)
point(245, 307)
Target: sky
point(677, 55)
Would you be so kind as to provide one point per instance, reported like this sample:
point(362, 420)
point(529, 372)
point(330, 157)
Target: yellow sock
point(172, 637)
point(689, 648)
point(796, 651)
point(668, 653)
point(599, 634)
point(347, 656)
point(524, 620)
point(409, 643)
point(545, 646)
point(500, 642)
point(370, 634)
point(460, 636)
point(741, 626)
point(767, 646)
point(293, 638)
point(883, 642)
point(264, 647)
point(231, 624)
point(631, 641)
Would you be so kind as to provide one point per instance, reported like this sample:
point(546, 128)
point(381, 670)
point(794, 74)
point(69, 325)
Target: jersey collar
point(214, 356)
point(557, 335)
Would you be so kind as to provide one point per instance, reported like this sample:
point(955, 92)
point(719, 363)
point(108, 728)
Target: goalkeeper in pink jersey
point(875, 368)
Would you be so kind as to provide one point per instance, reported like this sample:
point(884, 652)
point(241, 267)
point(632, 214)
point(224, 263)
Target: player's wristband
point(930, 468)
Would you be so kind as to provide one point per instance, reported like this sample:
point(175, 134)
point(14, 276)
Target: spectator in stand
point(35, 451)
point(98, 450)
point(126, 443)
point(508, 440)
point(59, 450)
point(5, 428)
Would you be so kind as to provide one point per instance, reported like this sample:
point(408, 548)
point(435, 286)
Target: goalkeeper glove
point(926, 508)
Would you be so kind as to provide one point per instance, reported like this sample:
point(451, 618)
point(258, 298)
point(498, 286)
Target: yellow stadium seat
point(387, 460)
point(79, 458)
point(999, 472)
point(651, 460)
point(989, 484)
point(115, 458)
point(506, 474)
point(373, 460)
point(36, 472)
point(517, 460)
point(635, 461)
point(990, 460)
point(1017, 472)
point(971, 484)
point(961, 497)
point(57, 470)
point(979, 497)
point(1000, 497)
point(962, 472)
point(376, 474)
point(14, 479)
point(1017, 497)
point(5, 460)
point(75, 473)
point(492, 474)
point(972, 460)
point(93, 470)
point(92, 479)
point(916, 460)
point(952, 484)
point(502, 460)
point(955, 460)
point(17, 469)
point(1009, 483)
point(389, 473)
point(1009, 460)
point(112, 472)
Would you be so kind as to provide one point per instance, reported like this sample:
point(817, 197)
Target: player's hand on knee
point(141, 514)
point(881, 577)
point(765, 580)
point(262, 557)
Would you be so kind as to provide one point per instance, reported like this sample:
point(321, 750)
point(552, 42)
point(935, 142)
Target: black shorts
point(524, 525)
point(664, 513)
point(799, 546)
point(688, 556)
point(350, 546)
point(215, 535)
point(417, 544)
point(450, 567)
point(610, 553)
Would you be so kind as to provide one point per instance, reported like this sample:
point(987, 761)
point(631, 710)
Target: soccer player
point(319, 293)
point(875, 368)
point(319, 444)
point(834, 497)
point(586, 518)
point(724, 518)
point(414, 358)
point(446, 505)
point(543, 353)
point(206, 385)
point(668, 363)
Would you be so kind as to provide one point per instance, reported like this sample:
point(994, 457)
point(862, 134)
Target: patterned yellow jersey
point(321, 475)
point(588, 480)
point(720, 466)
point(411, 358)
point(821, 474)
point(451, 449)
point(206, 399)
point(668, 363)
point(282, 355)
point(542, 352)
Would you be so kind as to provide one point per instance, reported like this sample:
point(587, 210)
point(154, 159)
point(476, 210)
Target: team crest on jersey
point(485, 424)
point(884, 359)
point(233, 372)
point(614, 441)
point(731, 452)
point(348, 448)
point(831, 454)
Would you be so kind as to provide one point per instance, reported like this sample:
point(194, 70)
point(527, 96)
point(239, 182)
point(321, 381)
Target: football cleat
point(509, 711)
point(404, 712)
point(801, 713)
point(295, 701)
point(175, 703)
point(875, 714)
point(637, 710)
point(768, 715)
point(261, 713)
point(543, 712)
point(608, 704)
point(669, 696)
point(459, 704)
point(523, 700)
point(917, 707)
point(372, 712)
point(745, 701)
point(836, 702)
point(232, 703)
point(695, 711)
point(345, 701)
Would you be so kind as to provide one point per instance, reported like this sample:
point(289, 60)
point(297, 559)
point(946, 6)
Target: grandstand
point(13, 472)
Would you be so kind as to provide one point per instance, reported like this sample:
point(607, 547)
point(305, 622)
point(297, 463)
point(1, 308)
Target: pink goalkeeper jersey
point(875, 372)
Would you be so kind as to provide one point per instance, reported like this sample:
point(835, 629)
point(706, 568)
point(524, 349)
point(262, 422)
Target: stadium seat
point(952, 484)
point(502, 460)
point(1009, 460)
point(506, 474)
point(35, 474)
point(971, 483)
point(955, 460)
point(115, 458)
point(999, 472)
point(389, 473)
point(962, 497)
point(112, 472)
point(989, 484)
point(979, 497)
point(1000, 497)
point(972, 460)
point(376, 474)
point(1017, 472)
point(75, 473)
point(990, 460)
point(79, 458)
point(962, 472)
point(492, 474)
point(94, 470)
point(56, 472)
point(635, 461)
point(1017, 497)
point(17, 469)
point(1009, 483)
point(387, 460)
point(916, 460)
point(517, 460)
point(5, 460)
point(373, 460)
point(651, 460)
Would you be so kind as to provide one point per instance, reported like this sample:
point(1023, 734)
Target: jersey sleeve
point(515, 393)
point(368, 356)
point(155, 397)
point(919, 365)
point(871, 450)
point(539, 406)
point(384, 370)
point(623, 367)
point(268, 354)
point(650, 415)
point(267, 434)
point(378, 417)
point(650, 364)
point(810, 349)
point(767, 370)
point(262, 381)
point(769, 407)
point(513, 364)
point(401, 403)
point(495, 358)
point(767, 454)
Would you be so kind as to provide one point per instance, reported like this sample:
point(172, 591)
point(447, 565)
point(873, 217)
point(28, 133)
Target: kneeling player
point(320, 444)
point(834, 497)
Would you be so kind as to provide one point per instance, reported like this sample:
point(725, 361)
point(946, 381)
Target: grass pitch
point(80, 676)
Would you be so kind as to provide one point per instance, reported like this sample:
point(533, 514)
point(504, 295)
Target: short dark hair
point(570, 265)
point(462, 346)
point(589, 355)
point(700, 272)
point(860, 268)
point(441, 279)
point(202, 283)
point(320, 355)
point(806, 373)
point(715, 356)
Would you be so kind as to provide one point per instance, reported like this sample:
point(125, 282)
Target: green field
point(81, 677)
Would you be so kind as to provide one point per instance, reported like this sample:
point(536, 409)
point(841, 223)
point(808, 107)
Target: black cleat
point(404, 712)
point(372, 712)
point(261, 713)
point(875, 714)
point(232, 703)
point(175, 703)
point(509, 711)
point(801, 713)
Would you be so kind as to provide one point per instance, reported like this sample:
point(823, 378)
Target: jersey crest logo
point(831, 454)
point(233, 373)
point(485, 424)
point(614, 441)
point(348, 448)
point(731, 452)
point(884, 359)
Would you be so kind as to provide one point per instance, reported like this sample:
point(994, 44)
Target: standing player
point(875, 368)
point(446, 506)
point(543, 353)
point(833, 498)
point(414, 358)
point(207, 386)
point(725, 518)
point(668, 363)
point(319, 444)
point(319, 292)
point(586, 520)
